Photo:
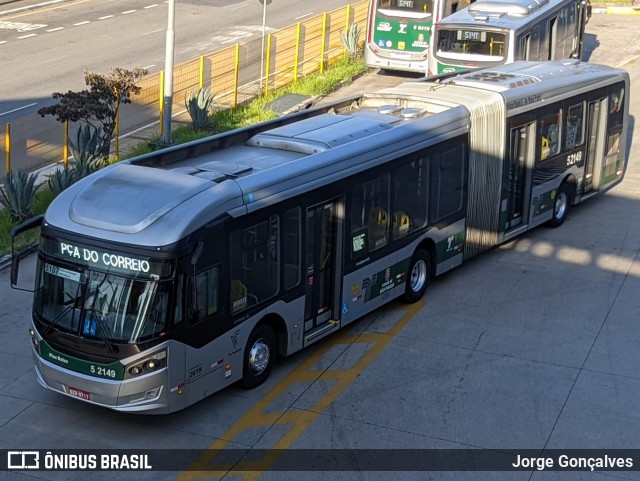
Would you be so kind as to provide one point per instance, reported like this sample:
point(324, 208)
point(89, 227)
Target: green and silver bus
point(399, 32)
point(165, 278)
point(493, 32)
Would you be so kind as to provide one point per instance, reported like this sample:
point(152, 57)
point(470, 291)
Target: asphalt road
point(535, 344)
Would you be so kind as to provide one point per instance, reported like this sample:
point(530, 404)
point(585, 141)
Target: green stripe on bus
point(113, 371)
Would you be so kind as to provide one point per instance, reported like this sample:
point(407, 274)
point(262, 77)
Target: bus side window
point(409, 198)
point(255, 264)
point(575, 126)
point(370, 215)
point(204, 294)
point(550, 134)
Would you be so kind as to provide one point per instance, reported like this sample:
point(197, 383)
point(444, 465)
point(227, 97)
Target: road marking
point(27, 36)
point(295, 423)
point(151, 6)
point(19, 108)
point(81, 23)
point(302, 16)
point(127, 12)
point(239, 6)
point(2, 41)
point(21, 26)
point(106, 16)
point(149, 66)
point(55, 29)
point(155, 31)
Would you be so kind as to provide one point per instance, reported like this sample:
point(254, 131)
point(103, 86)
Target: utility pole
point(168, 75)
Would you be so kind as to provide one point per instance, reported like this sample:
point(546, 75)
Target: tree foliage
point(98, 106)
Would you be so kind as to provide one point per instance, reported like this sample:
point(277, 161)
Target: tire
point(560, 206)
point(259, 356)
point(417, 276)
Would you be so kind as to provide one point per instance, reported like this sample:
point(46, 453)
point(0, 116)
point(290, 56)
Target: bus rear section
point(490, 33)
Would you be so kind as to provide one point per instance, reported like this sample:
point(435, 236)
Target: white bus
point(165, 278)
point(493, 32)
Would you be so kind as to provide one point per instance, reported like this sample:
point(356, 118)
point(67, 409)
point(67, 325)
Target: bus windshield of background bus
point(409, 8)
point(471, 44)
point(100, 305)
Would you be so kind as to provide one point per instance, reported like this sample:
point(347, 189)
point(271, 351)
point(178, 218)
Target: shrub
point(17, 194)
point(198, 105)
point(351, 41)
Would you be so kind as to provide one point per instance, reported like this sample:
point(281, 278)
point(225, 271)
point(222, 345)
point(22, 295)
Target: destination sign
point(472, 35)
point(104, 259)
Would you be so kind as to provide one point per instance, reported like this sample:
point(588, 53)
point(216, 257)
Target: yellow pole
point(324, 35)
point(295, 66)
point(65, 145)
point(7, 145)
point(161, 99)
point(201, 83)
point(236, 76)
point(118, 135)
point(267, 66)
point(346, 25)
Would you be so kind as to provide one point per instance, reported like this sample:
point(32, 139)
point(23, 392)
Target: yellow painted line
point(299, 421)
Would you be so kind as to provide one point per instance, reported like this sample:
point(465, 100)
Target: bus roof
point(160, 198)
point(509, 14)
point(150, 206)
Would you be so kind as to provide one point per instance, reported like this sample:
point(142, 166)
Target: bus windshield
point(470, 44)
point(409, 8)
point(100, 305)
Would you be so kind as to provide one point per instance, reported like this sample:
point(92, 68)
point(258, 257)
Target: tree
point(99, 105)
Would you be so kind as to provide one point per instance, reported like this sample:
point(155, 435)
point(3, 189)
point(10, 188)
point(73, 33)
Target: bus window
point(575, 126)
point(204, 294)
point(447, 175)
point(370, 214)
point(255, 263)
point(476, 42)
point(292, 236)
point(409, 198)
point(550, 134)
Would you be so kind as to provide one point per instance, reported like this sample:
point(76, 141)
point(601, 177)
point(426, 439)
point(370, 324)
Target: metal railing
point(232, 74)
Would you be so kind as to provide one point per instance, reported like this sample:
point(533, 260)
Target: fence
point(233, 74)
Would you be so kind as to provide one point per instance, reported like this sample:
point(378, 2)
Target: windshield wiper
point(103, 330)
point(57, 319)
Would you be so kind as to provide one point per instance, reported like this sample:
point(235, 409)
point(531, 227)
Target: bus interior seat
point(378, 228)
point(401, 224)
point(239, 295)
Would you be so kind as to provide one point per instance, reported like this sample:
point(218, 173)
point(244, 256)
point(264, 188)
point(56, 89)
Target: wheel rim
point(561, 205)
point(418, 276)
point(259, 357)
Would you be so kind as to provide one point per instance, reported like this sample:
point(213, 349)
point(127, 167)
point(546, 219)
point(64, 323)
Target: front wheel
point(259, 356)
point(560, 206)
point(417, 276)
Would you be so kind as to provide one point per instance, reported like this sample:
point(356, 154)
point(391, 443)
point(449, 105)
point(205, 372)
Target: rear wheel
point(417, 276)
point(560, 206)
point(259, 355)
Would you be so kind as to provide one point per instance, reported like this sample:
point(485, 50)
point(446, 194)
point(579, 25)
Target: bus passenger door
point(516, 179)
point(595, 147)
point(324, 226)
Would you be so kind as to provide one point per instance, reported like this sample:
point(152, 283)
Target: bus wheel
point(259, 355)
point(560, 206)
point(417, 276)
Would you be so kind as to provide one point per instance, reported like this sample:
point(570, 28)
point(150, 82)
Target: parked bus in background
point(399, 32)
point(493, 32)
point(165, 278)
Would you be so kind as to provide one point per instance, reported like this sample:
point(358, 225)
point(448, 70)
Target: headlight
point(147, 365)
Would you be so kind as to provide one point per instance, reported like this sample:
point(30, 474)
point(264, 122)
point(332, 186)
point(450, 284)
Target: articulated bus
point(494, 32)
point(399, 32)
point(165, 278)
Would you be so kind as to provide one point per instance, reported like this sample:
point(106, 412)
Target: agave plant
point(16, 194)
point(62, 179)
point(199, 105)
point(86, 150)
point(351, 40)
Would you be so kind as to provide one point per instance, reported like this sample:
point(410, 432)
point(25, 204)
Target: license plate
point(79, 393)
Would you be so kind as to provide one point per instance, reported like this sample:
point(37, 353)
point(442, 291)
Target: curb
point(616, 10)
